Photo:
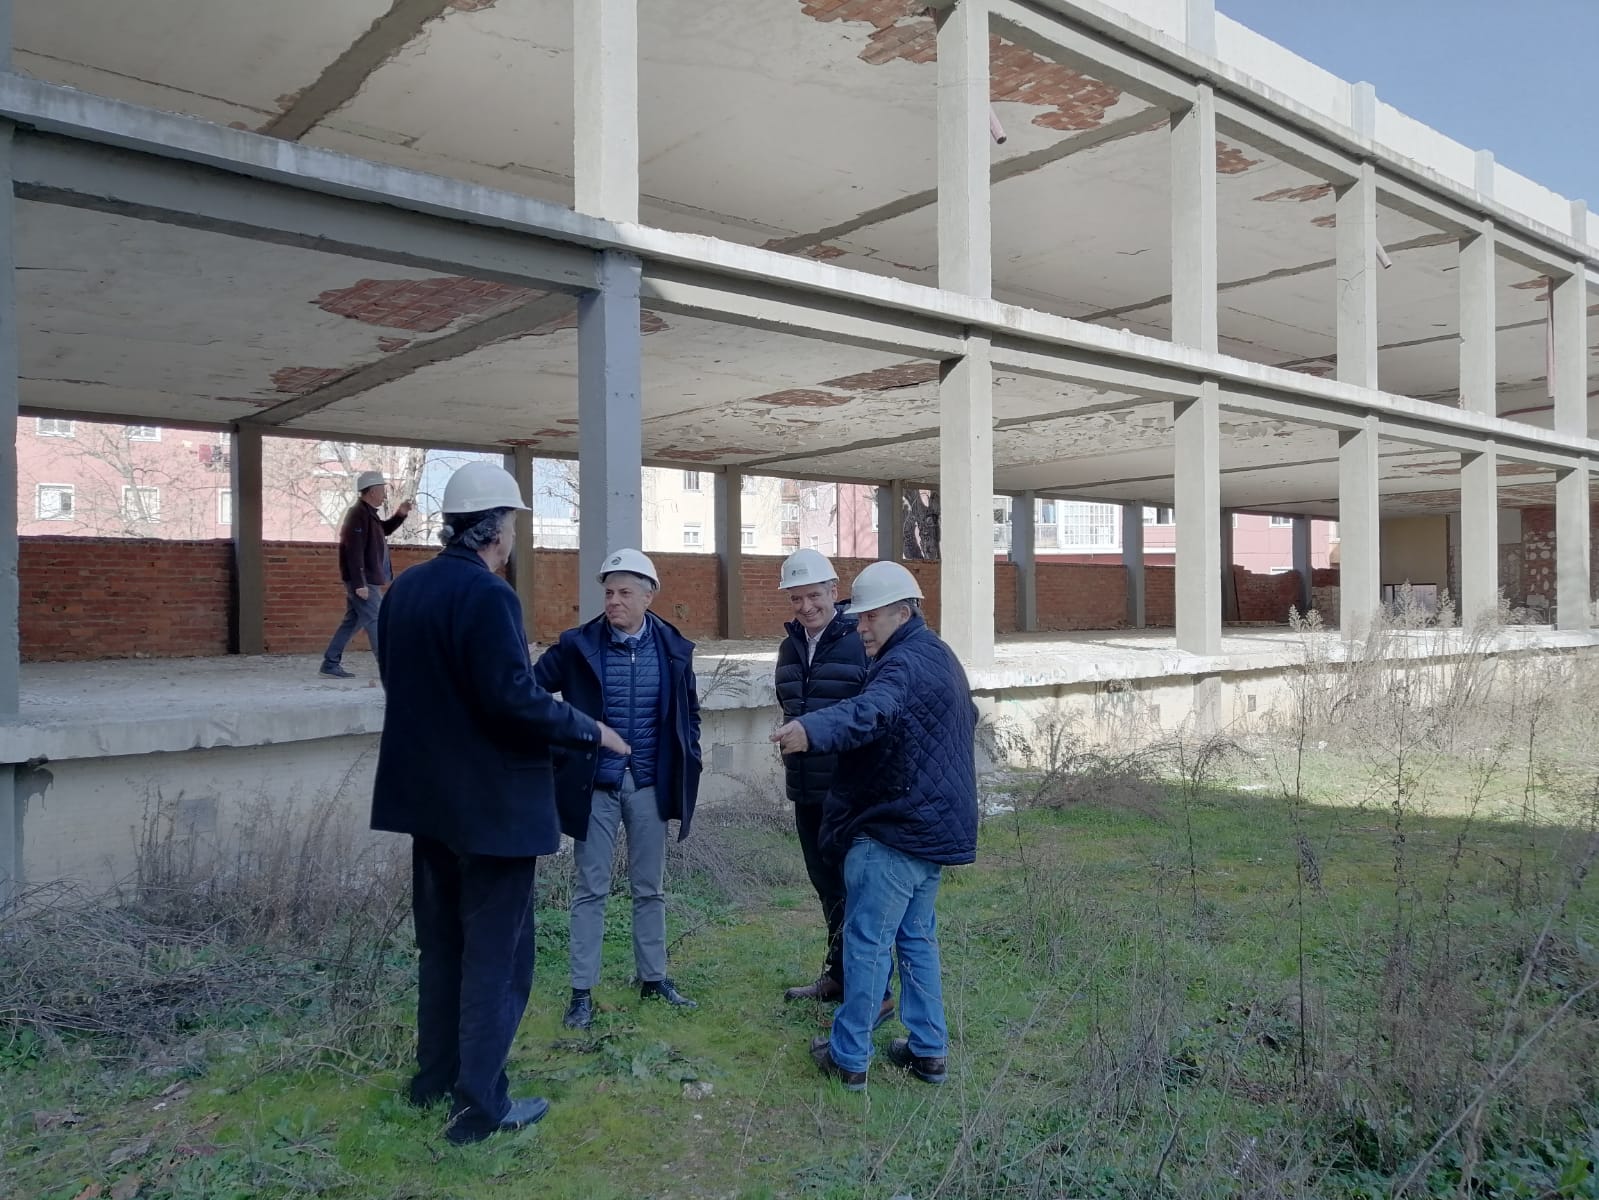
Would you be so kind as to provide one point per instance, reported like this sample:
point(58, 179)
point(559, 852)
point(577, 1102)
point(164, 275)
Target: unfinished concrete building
point(1129, 252)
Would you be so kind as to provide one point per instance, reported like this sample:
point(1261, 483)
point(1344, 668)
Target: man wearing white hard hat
point(820, 663)
point(636, 672)
point(465, 768)
point(903, 806)
point(363, 566)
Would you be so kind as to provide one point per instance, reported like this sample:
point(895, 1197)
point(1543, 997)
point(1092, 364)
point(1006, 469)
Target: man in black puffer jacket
point(820, 662)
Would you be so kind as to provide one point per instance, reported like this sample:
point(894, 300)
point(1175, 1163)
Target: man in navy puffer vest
point(902, 807)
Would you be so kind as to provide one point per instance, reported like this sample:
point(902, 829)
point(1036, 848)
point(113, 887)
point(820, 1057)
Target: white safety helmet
point(879, 584)
point(805, 567)
point(634, 562)
point(369, 479)
point(480, 486)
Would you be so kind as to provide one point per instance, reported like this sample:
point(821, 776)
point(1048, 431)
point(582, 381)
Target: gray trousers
point(634, 809)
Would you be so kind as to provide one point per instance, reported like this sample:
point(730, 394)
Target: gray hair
point(473, 531)
point(649, 584)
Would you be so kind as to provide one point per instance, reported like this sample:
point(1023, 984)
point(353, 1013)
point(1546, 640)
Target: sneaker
point(336, 671)
point(822, 1056)
point(826, 988)
point(928, 1070)
point(664, 989)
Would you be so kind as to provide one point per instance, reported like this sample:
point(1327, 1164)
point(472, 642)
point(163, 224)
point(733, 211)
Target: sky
point(1512, 76)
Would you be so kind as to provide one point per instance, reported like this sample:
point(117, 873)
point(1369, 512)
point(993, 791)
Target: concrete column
point(1356, 253)
point(249, 568)
point(1478, 323)
point(1198, 506)
point(10, 595)
point(891, 520)
point(1479, 535)
point(1133, 563)
point(1229, 581)
point(1302, 565)
point(1573, 590)
point(1570, 317)
point(730, 552)
point(1201, 26)
point(1359, 564)
point(1193, 215)
point(520, 463)
point(966, 487)
point(965, 256)
point(605, 108)
point(610, 415)
point(1024, 553)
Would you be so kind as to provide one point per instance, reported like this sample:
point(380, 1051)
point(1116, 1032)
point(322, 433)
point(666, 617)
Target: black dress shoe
point(928, 1070)
point(666, 990)
point(579, 1013)
point(822, 1056)
point(521, 1114)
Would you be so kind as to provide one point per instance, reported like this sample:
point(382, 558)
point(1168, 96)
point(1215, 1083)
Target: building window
point(816, 541)
point(691, 481)
point(877, 513)
point(141, 503)
point(144, 433)
point(693, 535)
point(1092, 526)
point(746, 537)
point(53, 427)
point(53, 502)
point(1046, 512)
point(1278, 522)
point(1158, 516)
point(224, 507)
point(747, 486)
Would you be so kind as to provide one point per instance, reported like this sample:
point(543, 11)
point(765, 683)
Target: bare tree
point(921, 524)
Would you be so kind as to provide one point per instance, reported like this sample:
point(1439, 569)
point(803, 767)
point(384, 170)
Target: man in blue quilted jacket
point(635, 672)
point(902, 807)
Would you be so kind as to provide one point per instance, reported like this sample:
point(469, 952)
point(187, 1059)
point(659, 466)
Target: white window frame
point(153, 509)
point(1278, 521)
point(60, 427)
point(693, 535)
point(746, 537)
point(225, 506)
point(68, 489)
point(1152, 515)
point(693, 482)
point(143, 433)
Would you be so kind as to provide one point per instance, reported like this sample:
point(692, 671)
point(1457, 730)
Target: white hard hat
point(369, 479)
point(879, 584)
point(480, 486)
point(805, 567)
point(634, 562)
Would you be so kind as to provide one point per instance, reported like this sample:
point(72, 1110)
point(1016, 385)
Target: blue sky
point(1512, 76)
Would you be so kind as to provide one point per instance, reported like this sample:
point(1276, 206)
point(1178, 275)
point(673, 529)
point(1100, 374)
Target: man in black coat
point(820, 663)
point(464, 767)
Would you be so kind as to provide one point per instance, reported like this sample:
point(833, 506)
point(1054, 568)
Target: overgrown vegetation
point(1345, 951)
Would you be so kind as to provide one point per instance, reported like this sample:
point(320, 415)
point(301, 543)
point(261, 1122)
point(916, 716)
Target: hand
point(790, 738)
point(362, 592)
point(611, 740)
point(404, 510)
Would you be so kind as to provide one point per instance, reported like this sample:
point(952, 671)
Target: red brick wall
point(1081, 596)
point(1265, 597)
point(87, 597)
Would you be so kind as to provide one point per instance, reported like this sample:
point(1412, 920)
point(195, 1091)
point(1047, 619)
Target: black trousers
point(474, 930)
point(828, 880)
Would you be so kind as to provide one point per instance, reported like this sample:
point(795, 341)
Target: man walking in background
point(902, 807)
point(364, 566)
point(820, 663)
point(636, 672)
point(464, 767)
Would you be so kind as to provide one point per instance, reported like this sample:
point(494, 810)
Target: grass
point(1123, 1024)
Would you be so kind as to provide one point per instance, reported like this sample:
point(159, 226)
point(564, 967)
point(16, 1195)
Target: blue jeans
point(889, 906)
point(358, 614)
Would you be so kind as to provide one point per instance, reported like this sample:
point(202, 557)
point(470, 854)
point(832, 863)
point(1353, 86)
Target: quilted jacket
point(907, 767)
point(634, 702)
point(836, 672)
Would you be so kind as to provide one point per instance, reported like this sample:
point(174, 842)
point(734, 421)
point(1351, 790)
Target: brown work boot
point(826, 988)
point(928, 1070)
point(885, 1012)
point(822, 1056)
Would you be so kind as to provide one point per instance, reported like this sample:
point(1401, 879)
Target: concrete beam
point(1479, 370)
point(1569, 316)
point(1359, 530)
point(1479, 536)
point(966, 488)
point(339, 83)
point(524, 557)
point(249, 569)
point(1197, 501)
point(730, 552)
point(1573, 542)
point(1304, 571)
point(1151, 382)
point(965, 254)
point(1238, 119)
point(1024, 554)
point(605, 109)
point(891, 521)
point(1054, 37)
point(610, 417)
point(1193, 208)
point(1356, 243)
point(1133, 563)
